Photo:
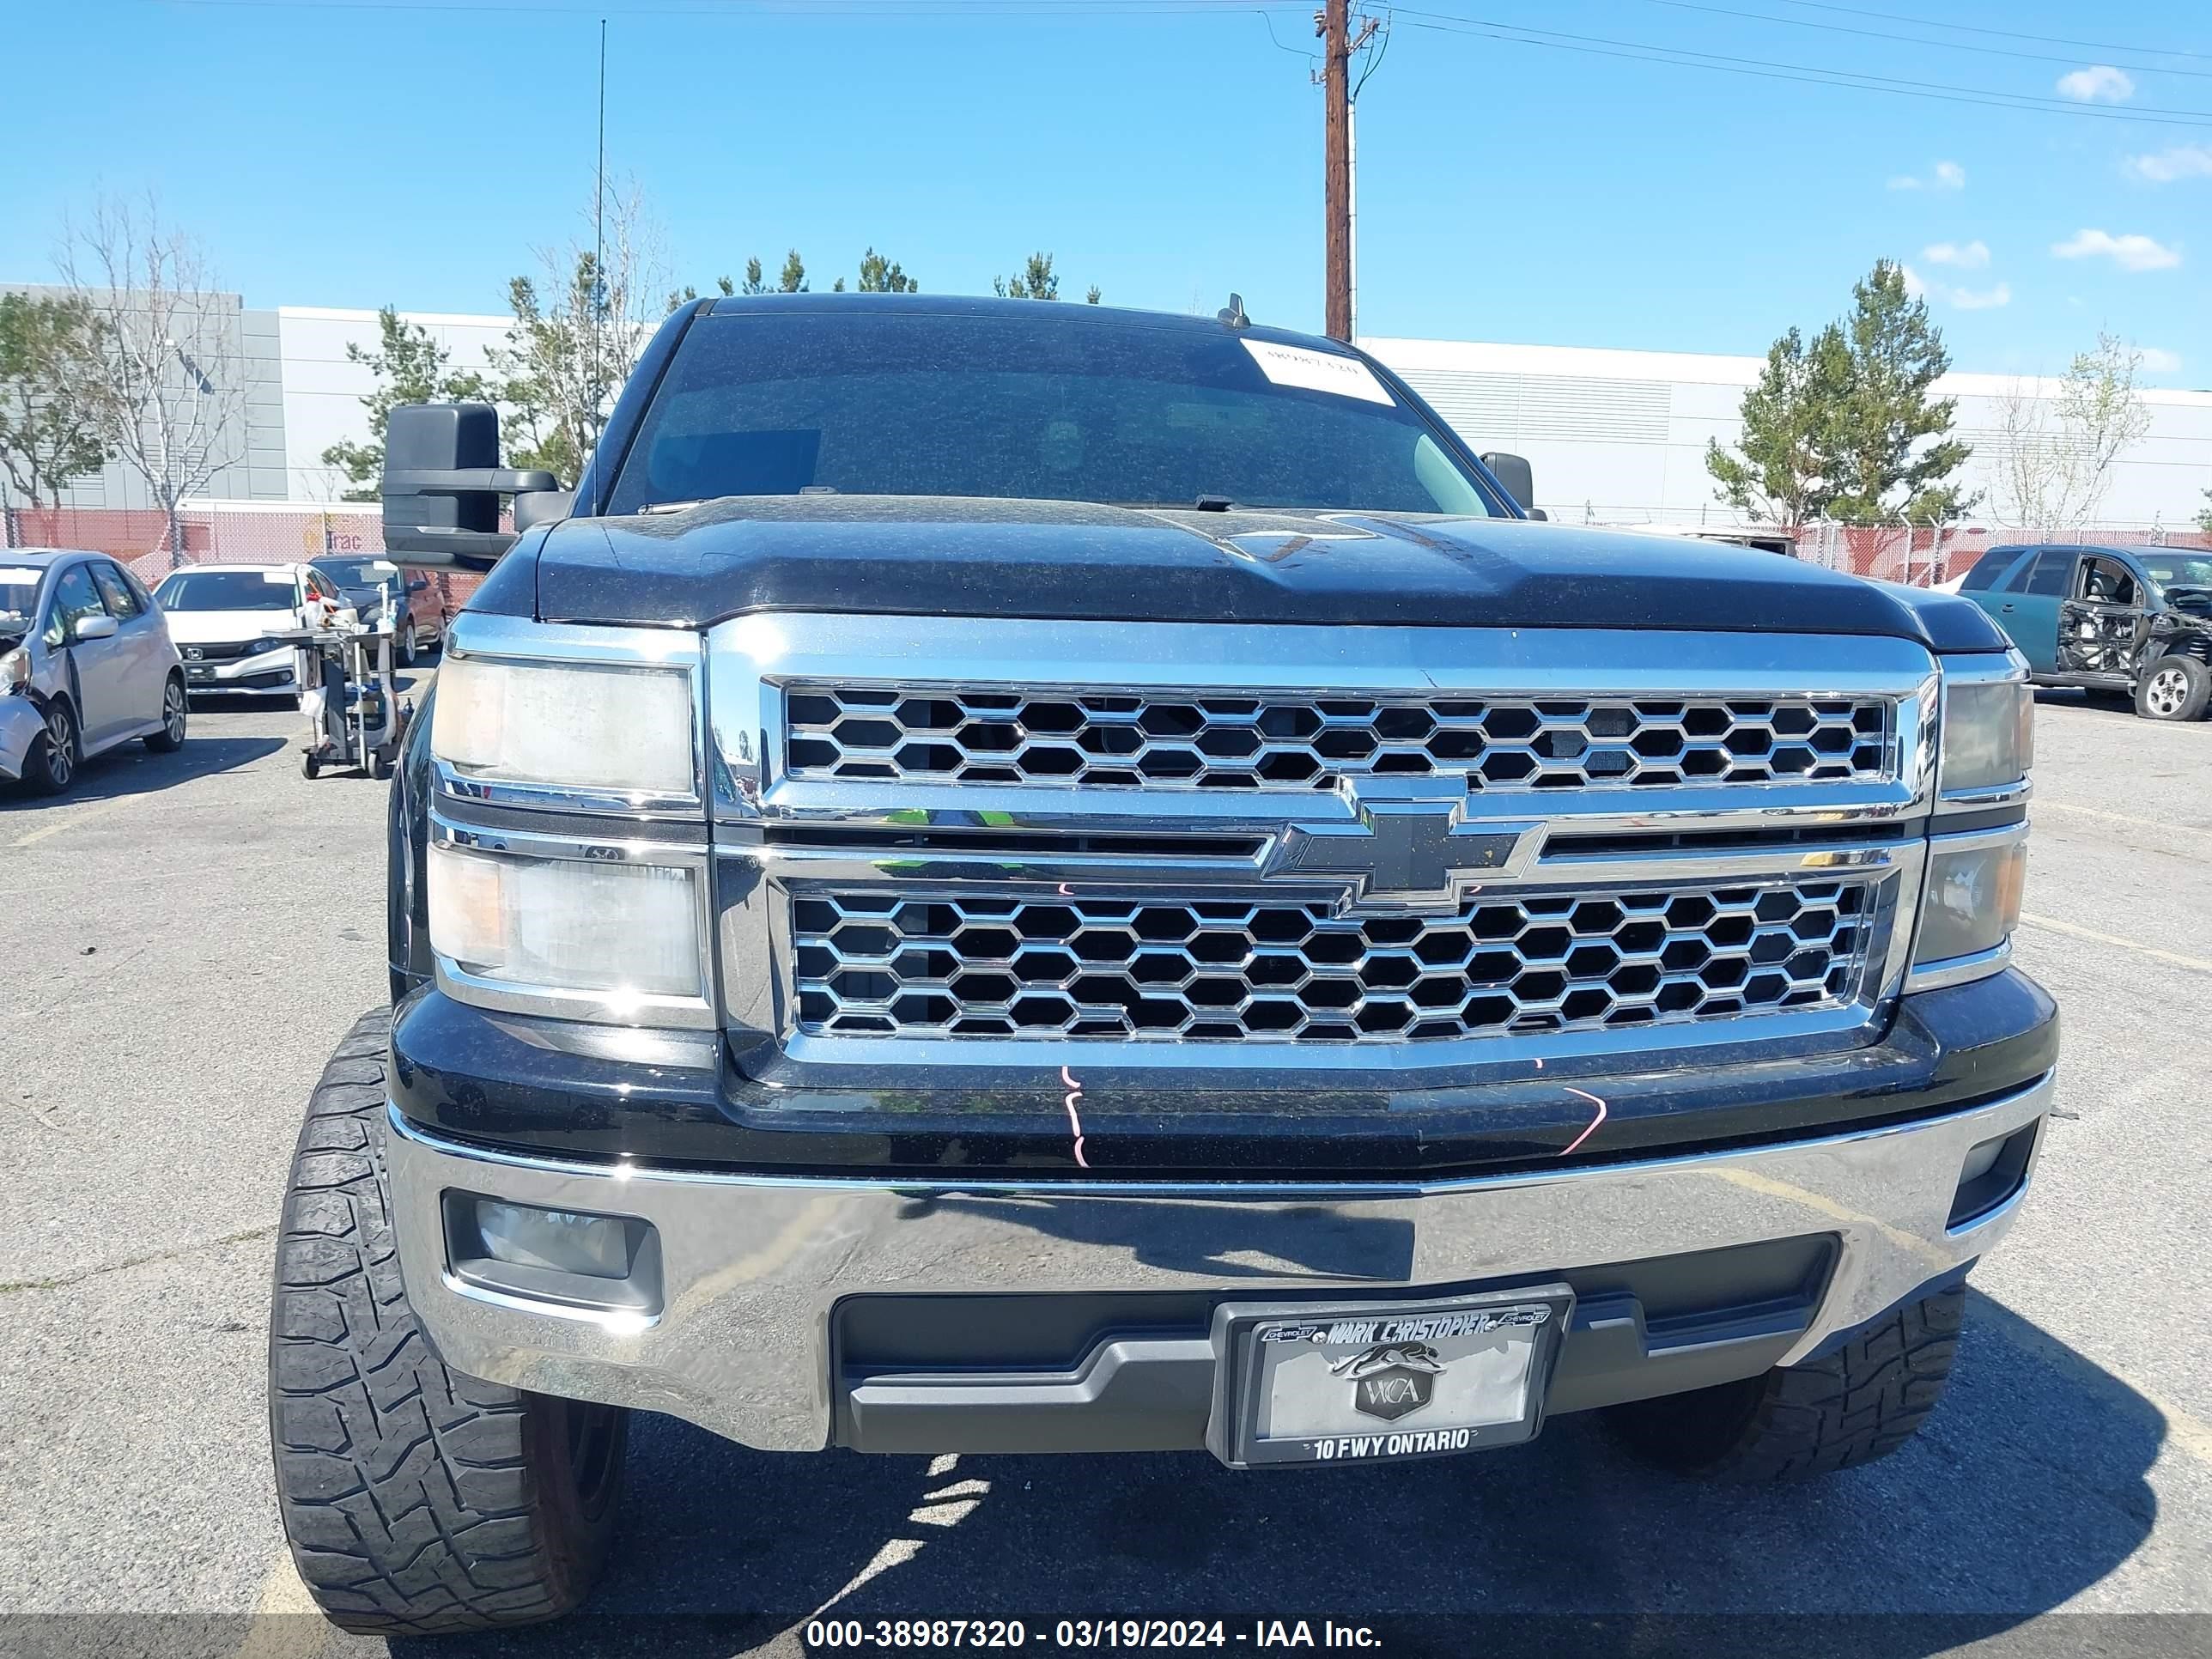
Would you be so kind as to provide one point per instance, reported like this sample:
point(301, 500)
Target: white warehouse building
point(1619, 437)
point(1614, 437)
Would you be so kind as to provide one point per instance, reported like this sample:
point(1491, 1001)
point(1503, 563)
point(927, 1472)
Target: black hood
point(1074, 561)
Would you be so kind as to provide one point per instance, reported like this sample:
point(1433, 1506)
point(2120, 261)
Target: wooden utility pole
point(1336, 164)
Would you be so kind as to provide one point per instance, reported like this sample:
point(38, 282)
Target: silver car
point(86, 664)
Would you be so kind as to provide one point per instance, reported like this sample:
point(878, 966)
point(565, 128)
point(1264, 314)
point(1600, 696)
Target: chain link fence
point(272, 533)
point(220, 532)
point(1928, 557)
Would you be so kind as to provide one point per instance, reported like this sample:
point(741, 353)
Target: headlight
point(623, 731)
point(14, 669)
point(1989, 733)
point(618, 931)
point(259, 646)
point(1973, 903)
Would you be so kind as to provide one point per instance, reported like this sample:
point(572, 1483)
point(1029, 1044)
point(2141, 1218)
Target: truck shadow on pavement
point(2028, 1486)
point(134, 769)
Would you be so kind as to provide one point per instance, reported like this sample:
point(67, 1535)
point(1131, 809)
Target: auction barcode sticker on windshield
point(1318, 371)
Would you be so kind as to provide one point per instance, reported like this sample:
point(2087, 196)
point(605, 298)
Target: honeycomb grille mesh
point(1310, 741)
point(876, 965)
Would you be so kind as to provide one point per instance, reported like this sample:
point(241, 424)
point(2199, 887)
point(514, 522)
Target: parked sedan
point(2134, 622)
point(229, 620)
point(370, 585)
point(86, 664)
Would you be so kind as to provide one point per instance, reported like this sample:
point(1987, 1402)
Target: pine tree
point(1781, 476)
point(1885, 470)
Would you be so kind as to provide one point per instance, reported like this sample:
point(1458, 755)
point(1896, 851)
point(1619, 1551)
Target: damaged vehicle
point(1016, 878)
point(2132, 622)
point(86, 665)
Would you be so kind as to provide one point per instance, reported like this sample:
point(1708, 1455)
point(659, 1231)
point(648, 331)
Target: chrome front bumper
point(752, 1266)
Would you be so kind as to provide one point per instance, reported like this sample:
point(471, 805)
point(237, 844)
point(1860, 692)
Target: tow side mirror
point(1514, 472)
point(442, 484)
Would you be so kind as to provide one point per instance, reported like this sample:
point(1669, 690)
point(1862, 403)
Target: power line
point(1440, 22)
point(1810, 73)
point(2001, 34)
point(1916, 39)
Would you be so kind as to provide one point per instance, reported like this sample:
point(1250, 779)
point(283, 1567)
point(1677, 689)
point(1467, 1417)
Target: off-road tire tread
point(408, 1492)
point(1795, 1423)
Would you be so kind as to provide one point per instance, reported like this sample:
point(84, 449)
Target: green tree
point(578, 330)
point(50, 419)
point(753, 282)
point(1884, 469)
point(1036, 280)
point(2204, 518)
point(410, 368)
point(1841, 427)
point(880, 276)
point(794, 279)
point(1780, 475)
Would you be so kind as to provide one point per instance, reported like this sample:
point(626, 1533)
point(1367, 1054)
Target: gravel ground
point(187, 936)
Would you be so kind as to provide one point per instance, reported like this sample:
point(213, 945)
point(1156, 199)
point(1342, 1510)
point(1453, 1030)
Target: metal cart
point(356, 719)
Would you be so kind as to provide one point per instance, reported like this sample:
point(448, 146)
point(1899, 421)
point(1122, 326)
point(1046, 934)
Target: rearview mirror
point(1514, 472)
point(442, 484)
point(93, 628)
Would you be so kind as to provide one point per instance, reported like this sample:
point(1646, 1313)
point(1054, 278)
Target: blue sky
point(414, 151)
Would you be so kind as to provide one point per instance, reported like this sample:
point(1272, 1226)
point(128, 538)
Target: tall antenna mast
point(599, 239)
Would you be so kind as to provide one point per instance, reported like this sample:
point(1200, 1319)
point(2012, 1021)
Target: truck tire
point(416, 1501)
point(2173, 688)
point(1793, 1423)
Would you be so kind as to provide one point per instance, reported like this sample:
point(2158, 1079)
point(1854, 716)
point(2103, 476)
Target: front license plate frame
point(1279, 1368)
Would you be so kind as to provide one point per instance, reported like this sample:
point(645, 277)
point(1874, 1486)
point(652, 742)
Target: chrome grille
point(882, 964)
point(1310, 740)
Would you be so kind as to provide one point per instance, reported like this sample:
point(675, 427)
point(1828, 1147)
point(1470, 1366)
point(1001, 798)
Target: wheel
point(416, 1501)
point(171, 738)
point(407, 643)
point(2173, 689)
point(380, 767)
point(52, 764)
point(309, 766)
point(1795, 1422)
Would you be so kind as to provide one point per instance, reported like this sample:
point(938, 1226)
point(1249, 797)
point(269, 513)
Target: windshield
point(19, 593)
point(228, 590)
point(2180, 570)
point(360, 572)
point(1049, 408)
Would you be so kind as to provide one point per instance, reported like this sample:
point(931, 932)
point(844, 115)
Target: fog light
point(591, 1246)
point(1991, 1173)
point(1980, 1161)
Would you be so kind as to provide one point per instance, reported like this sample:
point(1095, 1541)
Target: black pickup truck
point(1006, 877)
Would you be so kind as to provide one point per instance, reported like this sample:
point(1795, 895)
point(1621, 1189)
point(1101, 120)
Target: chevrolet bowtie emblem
point(1415, 852)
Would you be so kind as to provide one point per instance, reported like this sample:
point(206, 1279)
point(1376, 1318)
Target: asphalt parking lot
point(186, 936)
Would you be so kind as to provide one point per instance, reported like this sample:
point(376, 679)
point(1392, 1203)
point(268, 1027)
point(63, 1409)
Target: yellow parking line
point(2201, 964)
point(286, 1622)
point(2046, 804)
point(70, 822)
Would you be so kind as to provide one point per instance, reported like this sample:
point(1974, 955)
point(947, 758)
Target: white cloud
point(2182, 162)
point(2100, 83)
point(1944, 175)
point(2159, 360)
point(2129, 252)
point(1958, 299)
point(1970, 256)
